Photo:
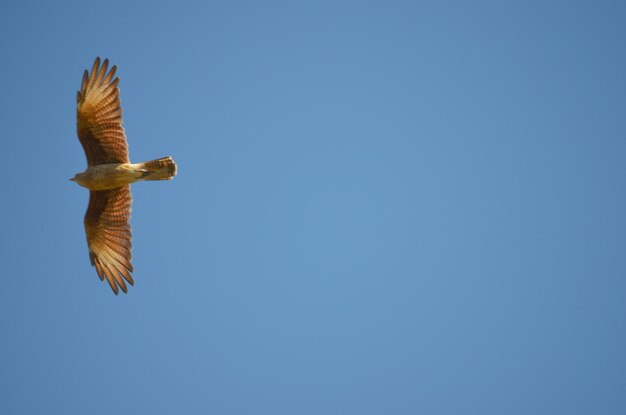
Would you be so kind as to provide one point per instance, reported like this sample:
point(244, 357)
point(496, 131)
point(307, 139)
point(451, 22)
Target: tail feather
point(159, 169)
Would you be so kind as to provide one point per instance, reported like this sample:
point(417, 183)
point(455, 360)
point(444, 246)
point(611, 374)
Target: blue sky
point(381, 208)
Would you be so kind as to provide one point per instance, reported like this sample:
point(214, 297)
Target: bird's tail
point(159, 169)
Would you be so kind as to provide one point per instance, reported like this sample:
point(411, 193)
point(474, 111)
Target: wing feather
point(107, 225)
point(99, 116)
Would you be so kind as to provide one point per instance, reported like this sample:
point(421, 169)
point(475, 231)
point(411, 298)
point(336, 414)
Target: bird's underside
point(109, 175)
point(113, 175)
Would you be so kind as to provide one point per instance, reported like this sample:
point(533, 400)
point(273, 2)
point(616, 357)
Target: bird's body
point(109, 174)
point(112, 175)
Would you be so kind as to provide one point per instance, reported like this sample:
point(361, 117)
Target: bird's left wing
point(107, 224)
point(99, 117)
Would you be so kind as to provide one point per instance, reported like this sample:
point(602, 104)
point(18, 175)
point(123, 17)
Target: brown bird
point(109, 175)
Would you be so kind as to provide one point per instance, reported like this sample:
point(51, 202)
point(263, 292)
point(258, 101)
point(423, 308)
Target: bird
point(109, 175)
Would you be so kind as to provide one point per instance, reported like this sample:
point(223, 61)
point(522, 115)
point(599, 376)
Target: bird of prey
point(109, 175)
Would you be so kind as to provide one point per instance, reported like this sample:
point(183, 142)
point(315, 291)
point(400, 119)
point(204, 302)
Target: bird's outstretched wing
point(107, 224)
point(99, 116)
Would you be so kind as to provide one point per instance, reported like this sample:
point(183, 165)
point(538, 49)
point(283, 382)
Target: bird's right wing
point(99, 117)
point(107, 224)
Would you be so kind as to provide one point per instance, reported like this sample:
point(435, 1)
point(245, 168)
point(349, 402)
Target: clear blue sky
point(381, 208)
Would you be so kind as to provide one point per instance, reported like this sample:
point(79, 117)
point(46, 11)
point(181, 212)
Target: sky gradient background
point(381, 208)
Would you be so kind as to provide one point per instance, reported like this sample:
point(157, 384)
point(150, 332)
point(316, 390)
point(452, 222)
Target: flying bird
point(109, 175)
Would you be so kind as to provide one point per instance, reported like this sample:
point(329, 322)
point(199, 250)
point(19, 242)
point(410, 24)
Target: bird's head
point(77, 178)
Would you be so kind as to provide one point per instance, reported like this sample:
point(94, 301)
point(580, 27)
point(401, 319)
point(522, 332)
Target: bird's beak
point(72, 179)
